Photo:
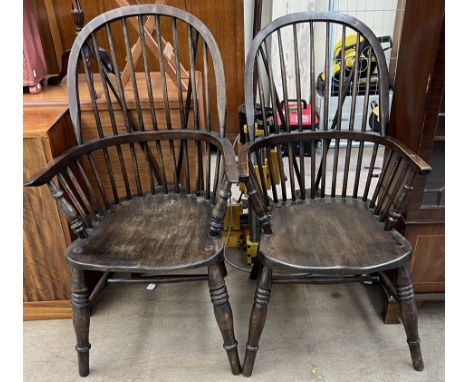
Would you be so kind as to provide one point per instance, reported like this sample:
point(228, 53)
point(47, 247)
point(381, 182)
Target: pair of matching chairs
point(147, 187)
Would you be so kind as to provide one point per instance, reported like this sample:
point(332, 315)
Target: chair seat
point(331, 235)
point(150, 233)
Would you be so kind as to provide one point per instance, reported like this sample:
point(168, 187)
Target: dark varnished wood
point(80, 306)
point(71, 155)
point(158, 223)
point(409, 315)
point(341, 229)
point(345, 237)
point(144, 235)
point(223, 314)
point(257, 318)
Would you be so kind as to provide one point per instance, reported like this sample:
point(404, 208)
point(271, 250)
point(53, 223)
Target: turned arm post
point(258, 204)
point(69, 211)
point(400, 204)
point(219, 210)
point(249, 178)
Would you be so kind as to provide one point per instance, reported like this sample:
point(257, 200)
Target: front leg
point(257, 318)
point(409, 315)
point(223, 314)
point(80, 306)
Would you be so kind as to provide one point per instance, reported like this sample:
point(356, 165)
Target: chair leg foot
point(409, 316)
point(80, 307)
point(257, 319)
point(223, 314)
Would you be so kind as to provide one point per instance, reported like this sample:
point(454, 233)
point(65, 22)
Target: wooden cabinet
point(417, 119)
point(224, 19)
point(46, 278)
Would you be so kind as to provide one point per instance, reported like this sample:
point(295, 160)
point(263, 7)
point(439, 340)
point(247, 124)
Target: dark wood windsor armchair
point(145, 190)
point(327, 217)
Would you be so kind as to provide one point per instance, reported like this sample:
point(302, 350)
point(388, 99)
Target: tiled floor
point(313, 333)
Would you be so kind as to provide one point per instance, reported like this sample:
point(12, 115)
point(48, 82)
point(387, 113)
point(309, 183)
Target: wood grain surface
point(331, 235)
point(46, 275)
point(155, 232)
point(227, 28)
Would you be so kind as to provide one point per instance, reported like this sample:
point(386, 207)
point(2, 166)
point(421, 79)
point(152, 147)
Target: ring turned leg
point(80, 306)
point(257, 318)
point(223, 314)
point(409, 315)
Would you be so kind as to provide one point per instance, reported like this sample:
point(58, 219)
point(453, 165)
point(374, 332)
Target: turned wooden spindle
point(258, 205)
point(223, 314)
point(257, 319)
point(409, 315)
point(76, 224)
point(77, 15)
point(80, 306)
point(219, 210)
point(399, 205)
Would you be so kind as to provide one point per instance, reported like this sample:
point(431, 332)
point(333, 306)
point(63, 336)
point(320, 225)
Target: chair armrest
point(66, 158)
point(52, 168)
point(243, 162)
point(419, 164)
point(232, 172)
point(253, 189)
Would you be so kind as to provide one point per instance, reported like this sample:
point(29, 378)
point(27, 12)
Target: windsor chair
point(145, 192)
point(328, 217)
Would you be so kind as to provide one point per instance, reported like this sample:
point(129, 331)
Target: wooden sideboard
point(417, 119)
point(47, 132)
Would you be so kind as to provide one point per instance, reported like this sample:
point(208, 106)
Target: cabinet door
point(45, 273)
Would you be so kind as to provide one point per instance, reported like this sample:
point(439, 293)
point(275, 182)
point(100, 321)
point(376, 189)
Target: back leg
point(409, 315)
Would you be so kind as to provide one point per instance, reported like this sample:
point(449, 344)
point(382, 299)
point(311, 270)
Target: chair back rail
point(387, 170)
point(81, 191)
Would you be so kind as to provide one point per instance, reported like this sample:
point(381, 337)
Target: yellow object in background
point(258, 132)
point(275, 166)
point(349, 56)
point(266, 174)
point(237, 209)
point(251, 249)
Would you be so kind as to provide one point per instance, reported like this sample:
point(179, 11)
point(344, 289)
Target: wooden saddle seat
point(331, 235)
point(162, 232)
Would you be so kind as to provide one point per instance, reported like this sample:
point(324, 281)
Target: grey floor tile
point(313, 333)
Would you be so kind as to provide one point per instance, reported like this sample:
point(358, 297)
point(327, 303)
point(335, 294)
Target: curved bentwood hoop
point(145, 23)
point(261, 56)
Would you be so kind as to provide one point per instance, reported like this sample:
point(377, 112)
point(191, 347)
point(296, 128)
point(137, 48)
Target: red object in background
point(306, 115)
point(34, 63)
point(294, 114)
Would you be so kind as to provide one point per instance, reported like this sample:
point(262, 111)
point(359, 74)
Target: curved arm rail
point(65, 159)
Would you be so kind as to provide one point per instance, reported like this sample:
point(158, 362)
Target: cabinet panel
point(428, 260)
point(46, 276)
